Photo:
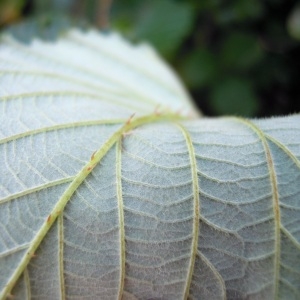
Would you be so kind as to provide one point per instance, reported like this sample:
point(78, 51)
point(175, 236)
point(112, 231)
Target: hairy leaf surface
point(98, 203)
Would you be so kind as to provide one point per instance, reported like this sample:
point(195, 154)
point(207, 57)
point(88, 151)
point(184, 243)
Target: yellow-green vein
point(196, 219)
point(291, 287)
point(27, 284)
point(297, 163)
point(284, 149)
point(275, 198)
point(78, 179)
point(36, 189)
point(116, 98)
point(121, 216)
point(215, 272)
point(60, 77)
point(290, 237)
point(14, 250)
point(60, 127)
point(60, 227)
point(23, 95)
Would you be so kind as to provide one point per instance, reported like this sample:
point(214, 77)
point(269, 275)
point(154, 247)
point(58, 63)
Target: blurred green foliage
point(236, 57)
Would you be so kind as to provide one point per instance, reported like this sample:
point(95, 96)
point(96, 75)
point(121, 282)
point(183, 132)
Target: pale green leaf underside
point(93, 206)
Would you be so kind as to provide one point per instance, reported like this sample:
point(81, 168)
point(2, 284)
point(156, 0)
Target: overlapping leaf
point(98, 205)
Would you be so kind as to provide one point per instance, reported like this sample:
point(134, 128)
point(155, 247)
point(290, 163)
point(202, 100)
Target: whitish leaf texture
point(95, 204)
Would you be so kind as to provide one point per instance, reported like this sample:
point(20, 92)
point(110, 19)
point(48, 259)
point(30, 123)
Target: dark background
point(239, 57)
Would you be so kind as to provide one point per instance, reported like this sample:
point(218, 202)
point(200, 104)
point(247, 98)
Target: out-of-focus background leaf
point(236, 57)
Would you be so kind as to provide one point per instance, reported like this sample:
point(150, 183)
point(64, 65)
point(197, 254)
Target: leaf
point(241, 51)
point(234, 95)
point(96, 204)
point(165, 24)
point(238, 11)
point(293, 23)
point(200, 69)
